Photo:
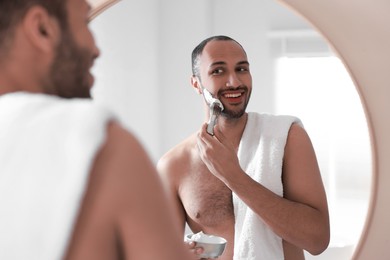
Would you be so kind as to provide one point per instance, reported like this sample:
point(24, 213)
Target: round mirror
point(143, 74)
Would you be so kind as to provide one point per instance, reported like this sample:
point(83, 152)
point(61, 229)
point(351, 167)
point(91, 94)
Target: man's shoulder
point(181, 150)
point(178, 157)
point(119, 138)
point(271, 118)
point(272, 124)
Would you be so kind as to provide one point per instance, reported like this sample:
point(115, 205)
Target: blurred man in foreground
point(74, 184)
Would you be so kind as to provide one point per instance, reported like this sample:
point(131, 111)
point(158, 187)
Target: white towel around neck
point(47, 146)
point(260, 154)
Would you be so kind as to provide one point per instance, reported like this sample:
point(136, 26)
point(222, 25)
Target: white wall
point(144, 71)
point(126, 73)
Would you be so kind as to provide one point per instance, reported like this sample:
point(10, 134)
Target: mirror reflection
point(144, 75)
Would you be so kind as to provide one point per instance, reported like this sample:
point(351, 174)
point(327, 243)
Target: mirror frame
point(365, 52)
point(98, 6)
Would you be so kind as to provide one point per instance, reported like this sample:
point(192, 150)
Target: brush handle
point(215, 111)
point(212, 122)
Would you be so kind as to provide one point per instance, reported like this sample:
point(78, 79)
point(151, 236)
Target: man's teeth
point(232, 95)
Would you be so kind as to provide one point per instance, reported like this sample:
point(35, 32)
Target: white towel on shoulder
point(47, 146)
point(260, 154)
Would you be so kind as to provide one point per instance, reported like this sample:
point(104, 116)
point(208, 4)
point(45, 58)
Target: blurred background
point(143, 74)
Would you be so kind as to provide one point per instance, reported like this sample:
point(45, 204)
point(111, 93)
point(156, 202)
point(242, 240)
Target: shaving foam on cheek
point(210, 100)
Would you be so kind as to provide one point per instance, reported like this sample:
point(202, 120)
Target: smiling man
point(256, 181)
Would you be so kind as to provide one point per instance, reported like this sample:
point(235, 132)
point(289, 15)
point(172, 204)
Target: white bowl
point(213, 246)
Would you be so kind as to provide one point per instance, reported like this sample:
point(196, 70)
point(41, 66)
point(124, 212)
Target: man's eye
point(217, 71)
point(242, 69)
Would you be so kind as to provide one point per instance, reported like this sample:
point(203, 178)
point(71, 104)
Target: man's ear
point(195, 82)
point(41, 29)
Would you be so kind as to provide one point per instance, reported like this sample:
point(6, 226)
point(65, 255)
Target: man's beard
point(68, 76)
point(231, 114)
point(234, 114)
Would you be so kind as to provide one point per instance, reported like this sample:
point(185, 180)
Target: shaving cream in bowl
point(213, 246)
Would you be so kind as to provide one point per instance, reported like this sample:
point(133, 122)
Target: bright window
point(320, 92)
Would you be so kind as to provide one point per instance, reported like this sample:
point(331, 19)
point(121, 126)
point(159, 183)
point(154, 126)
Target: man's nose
point(233, 80)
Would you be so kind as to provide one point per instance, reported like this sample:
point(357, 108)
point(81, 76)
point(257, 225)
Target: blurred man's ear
point(41, 29)
point(195, 82)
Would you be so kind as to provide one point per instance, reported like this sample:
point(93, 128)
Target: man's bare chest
point(205, 198)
